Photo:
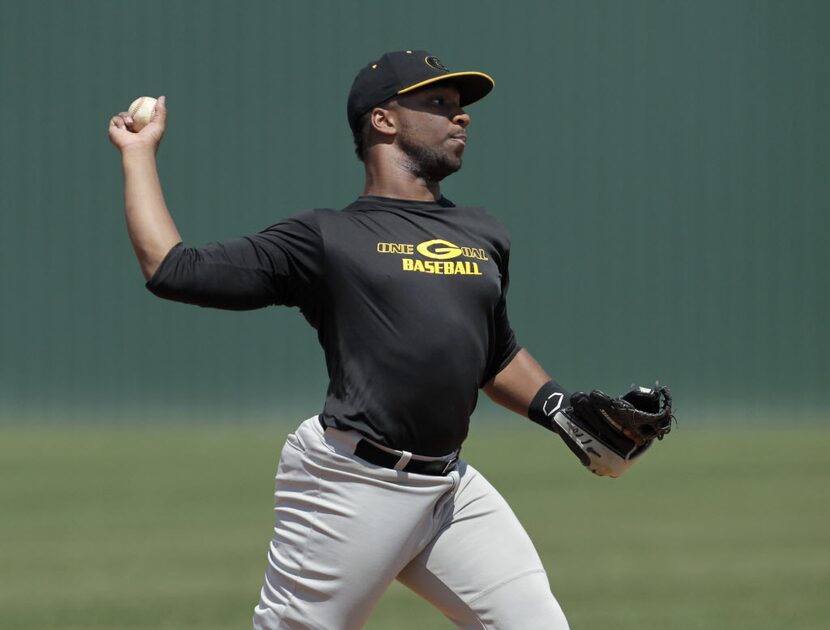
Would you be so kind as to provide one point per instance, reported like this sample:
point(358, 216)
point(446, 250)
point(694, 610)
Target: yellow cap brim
point(472, 85)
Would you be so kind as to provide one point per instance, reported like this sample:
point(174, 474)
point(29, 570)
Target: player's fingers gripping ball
point(608, 434)
point(141, 111)
point(142, 124)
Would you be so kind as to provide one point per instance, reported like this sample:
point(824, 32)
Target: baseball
point(141, 111)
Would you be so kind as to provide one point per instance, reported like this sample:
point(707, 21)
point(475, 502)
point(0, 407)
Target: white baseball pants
point(345, 529)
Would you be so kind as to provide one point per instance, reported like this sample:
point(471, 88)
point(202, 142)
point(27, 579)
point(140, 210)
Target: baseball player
point(407, 292)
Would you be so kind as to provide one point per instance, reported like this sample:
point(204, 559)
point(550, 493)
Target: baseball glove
point(608, 434)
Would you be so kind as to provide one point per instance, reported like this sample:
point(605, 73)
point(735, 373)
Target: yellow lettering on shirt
point(443, 268)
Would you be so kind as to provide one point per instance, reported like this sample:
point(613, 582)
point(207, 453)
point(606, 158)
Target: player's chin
point(454, 154)
point(450, 165)
point(457, 146)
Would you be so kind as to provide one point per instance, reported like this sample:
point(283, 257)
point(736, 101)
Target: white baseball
point(141, 111)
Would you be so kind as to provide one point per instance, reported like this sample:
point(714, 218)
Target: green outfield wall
point(663, 167)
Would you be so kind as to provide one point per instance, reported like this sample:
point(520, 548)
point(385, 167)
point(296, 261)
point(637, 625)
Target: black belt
point(367, 451)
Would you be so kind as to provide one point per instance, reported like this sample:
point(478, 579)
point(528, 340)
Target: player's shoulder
point(490, 223)
point(310, 219)
point(484, 214)
point(315, 215)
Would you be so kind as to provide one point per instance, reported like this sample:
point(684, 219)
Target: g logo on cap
point(435, 62)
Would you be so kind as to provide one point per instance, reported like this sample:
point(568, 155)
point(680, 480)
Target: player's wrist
point(550, 398)
point(138, 151)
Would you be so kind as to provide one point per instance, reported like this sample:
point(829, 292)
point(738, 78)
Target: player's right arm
point(152, 230)
point(279, 265)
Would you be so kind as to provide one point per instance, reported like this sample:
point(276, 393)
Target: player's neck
point(413, 193)
point(386, 178)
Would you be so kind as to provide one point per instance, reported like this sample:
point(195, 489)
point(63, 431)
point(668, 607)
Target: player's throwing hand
point(123, 137)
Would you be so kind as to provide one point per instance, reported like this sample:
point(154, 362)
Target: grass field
point(163, 529)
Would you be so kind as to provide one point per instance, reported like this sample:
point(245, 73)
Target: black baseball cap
point(404, 71)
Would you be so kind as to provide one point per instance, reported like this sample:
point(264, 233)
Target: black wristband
point(550, 398)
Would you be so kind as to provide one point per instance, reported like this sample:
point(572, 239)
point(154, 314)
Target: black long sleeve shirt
point(408, 300)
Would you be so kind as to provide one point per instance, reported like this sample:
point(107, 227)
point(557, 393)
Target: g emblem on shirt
point(439, 249)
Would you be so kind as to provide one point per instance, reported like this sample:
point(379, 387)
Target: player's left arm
point(607, 434)
point(516, 385)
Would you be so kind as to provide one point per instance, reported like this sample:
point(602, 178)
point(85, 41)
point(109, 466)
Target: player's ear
point(384, 121)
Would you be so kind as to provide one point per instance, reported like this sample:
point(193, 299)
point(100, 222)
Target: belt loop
point(403, 461)
point(348, 438)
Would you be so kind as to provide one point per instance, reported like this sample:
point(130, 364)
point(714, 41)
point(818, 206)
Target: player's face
point(432, 131)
